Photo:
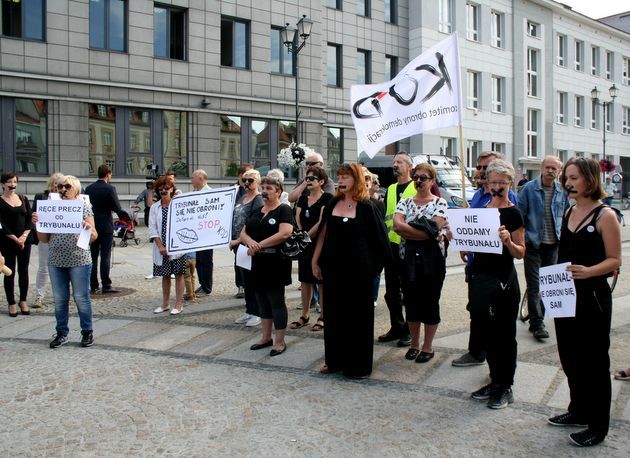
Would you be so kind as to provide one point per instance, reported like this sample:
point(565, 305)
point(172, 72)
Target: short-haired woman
point(15, 245)
point(494, 291)
point(265, 230)
point(164, 265)
point(68, 265)
point(590, 239)
point(351, 249)
point(422, 250)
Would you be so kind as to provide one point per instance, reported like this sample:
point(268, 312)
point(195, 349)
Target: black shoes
point(110, 290)
point(389, 336)
point(87, 338)
point(500, 398)
point(59, 340)
point(483, 393)
point(467, 360)
point(404, 341)
point(278, 352)
point(540, 333)
point(425, 357)
point(256, 346)
point(412, 354)
point(566, 419)
point(586, 438)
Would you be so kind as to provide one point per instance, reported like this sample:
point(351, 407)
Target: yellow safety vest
point(392, 202)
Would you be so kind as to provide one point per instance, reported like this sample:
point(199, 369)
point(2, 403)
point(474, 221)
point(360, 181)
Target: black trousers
point(101, 246)
point(272, 305)
point(395, 282)
point(12, 256)
point(535, 258)
point(583, 344)
point(205, 267)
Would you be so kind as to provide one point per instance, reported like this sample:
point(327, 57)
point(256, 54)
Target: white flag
point(425, 95)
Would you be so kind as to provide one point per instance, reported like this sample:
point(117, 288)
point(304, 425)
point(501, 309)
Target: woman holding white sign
point(419, 221)
point(494, 294)
point(590, 240)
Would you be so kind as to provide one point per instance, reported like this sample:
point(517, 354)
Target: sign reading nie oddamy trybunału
point(475, 229)
point(59, 216)
point(200, 220)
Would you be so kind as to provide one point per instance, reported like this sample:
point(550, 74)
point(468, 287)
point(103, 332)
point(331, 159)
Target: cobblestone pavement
point(162, 385)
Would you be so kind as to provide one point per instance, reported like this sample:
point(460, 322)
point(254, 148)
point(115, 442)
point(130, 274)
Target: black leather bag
point(297, 245)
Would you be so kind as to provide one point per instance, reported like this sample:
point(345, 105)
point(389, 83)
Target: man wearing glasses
point(104, 200)
point(312, 160)
point(476, 355)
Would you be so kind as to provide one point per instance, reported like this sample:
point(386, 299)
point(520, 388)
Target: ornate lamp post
point(295, 44)
point(595, 97)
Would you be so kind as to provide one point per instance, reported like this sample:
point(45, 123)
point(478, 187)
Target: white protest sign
point(475, 229)
point(557, 290)
point(59, 216)
point(200, 220)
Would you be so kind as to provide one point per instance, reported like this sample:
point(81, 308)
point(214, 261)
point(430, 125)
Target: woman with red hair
point(351, 249)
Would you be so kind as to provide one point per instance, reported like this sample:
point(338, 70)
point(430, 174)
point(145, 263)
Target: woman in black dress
point(591, 240)
point(15, 244)
point(308, 214)
point(351, 249)
point(265, 230)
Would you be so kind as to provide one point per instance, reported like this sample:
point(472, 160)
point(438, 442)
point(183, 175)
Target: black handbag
point(297, 245)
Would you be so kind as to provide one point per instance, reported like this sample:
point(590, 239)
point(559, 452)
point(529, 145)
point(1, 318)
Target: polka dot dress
point(169, 266)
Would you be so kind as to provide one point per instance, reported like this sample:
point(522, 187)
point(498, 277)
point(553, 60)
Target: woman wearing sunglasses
point(422, 250)
point(15, 244)
point(164, 265)
point(245, 206)
point(68, 265)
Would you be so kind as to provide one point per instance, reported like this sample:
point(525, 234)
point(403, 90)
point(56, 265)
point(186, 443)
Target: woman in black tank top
point(591, 241)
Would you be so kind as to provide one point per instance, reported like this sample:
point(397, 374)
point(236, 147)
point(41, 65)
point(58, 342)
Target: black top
point(400, 189)
point(15, 220)
point(499, 265)
point(269, 269)
point(309, 216)
point(104, 200)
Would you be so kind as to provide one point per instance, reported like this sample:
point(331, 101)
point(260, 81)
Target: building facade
point(186, 84)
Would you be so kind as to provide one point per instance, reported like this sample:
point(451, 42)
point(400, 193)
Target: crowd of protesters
point(555, 217)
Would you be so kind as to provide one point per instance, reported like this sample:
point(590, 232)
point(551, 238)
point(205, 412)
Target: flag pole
point(462, 166)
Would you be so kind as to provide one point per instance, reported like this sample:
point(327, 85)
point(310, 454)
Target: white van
point(449, 179)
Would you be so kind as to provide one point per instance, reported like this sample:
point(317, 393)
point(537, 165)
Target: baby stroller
point(125, 227)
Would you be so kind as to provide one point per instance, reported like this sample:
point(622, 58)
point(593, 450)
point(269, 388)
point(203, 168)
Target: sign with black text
point(475, 230)
point(59, 216)
point(557, 290)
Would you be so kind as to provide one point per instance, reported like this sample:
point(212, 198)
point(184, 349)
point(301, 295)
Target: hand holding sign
point(59, 216)
point(476, 229)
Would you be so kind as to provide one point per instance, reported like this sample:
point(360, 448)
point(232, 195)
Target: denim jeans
point(60, 280)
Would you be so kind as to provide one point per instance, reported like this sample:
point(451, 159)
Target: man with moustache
point(542, 203)
point(395, 273)
point(204, 264)
point(312, 160)
point(104, 200)
point(476, 355)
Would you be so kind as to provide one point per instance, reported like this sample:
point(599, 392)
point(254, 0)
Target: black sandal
point(412, 353)
point(318, 326)
point(300, 323)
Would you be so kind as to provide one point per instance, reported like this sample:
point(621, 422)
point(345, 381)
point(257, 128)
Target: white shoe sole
point(161, 310)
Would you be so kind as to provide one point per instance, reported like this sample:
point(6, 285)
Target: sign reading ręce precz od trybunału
point(59, 216)
point(200, 220)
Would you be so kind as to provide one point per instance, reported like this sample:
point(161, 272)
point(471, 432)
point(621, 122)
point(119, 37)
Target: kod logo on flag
point(425, 95)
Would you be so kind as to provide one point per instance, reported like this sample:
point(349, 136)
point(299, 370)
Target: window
point(532, 72)
point(336, 4)
point(391, 11)
point(562, 155)
point(24, 19)
point(391, 66)
point(609, 65)
point(594, 60)
point(579, 153)
point(24, 134)
point(625, 129)
point(594, 115)
point(281, 59)
point(108, 25)
point(473, 90)
point(532, 133)
point(333, 65)
point(498, 94)
point(139, 154)
point(625, 76)
point(498, 29)
point(579, 55)
point(608, 117)
point(169, 32)
point(595, 156)
point(472, 21)
point(579, 111)
point(259, 145)
point(446, 16)
point(363, 8)
point(448, 147)
point(561, 114)
point(473, 148)
point(562, 50)
point(174, 142)
point(533, 29)
point(334, 144)
point(102, 145)
point(230, 145)
point(234, 43)
point(364, 67)
point(498, 147)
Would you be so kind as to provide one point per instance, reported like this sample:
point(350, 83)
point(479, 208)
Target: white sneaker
point(244, 318)
point(149, 277)
point(161, 310)
point(253, 321)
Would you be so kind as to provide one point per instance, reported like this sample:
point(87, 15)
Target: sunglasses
point(166, 189)
point(421, 178)
point(64, 186)
point(310, 178)
point(310, 164)
point(249, 180)
point(482, 167)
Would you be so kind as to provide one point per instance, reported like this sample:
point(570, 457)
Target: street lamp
point(614, 92)
point(294, 45)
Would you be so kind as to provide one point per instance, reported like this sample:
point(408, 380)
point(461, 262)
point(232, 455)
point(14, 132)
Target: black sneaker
point(500, 398)
point(59, 340)
point(586, 438)
point(540, 333)
point(87, 339)
point(404, 341)
point(483, 393)
point(566, 419)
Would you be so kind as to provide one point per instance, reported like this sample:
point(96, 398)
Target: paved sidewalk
point(163, 385)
